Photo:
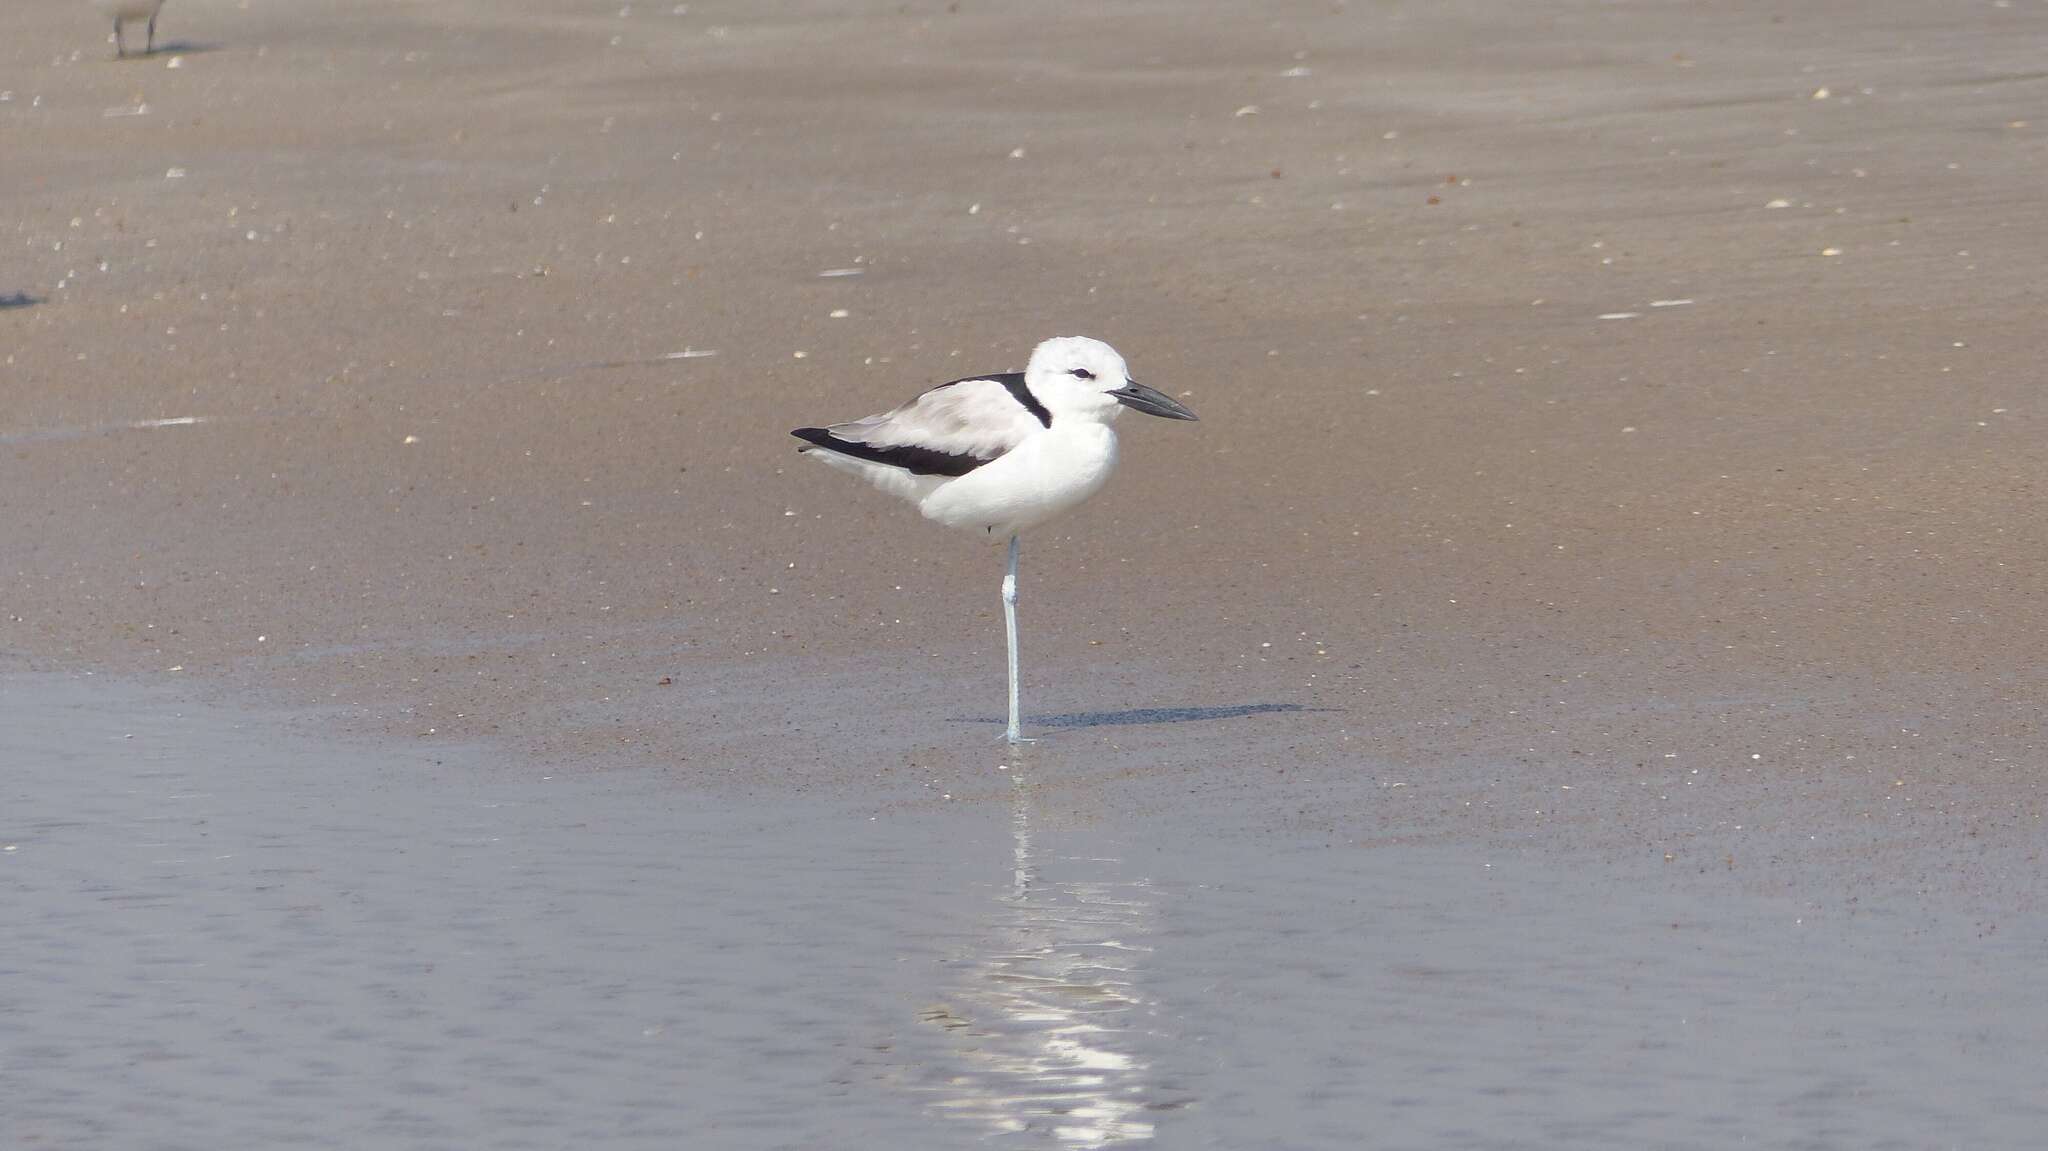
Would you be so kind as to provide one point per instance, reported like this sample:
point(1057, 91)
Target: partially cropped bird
point(1000, 453)
point(125, 10)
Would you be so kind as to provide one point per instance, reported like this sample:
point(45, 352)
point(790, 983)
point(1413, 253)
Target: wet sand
point(226, 935)
point(407, 278)
point(1618, 460)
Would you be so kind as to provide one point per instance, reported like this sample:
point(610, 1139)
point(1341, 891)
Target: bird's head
point(1087, 378)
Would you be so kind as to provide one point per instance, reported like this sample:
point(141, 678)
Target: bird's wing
point(950, 430)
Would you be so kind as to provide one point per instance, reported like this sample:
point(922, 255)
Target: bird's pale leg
point(149, 45)
point(120, 49)
point(1010, 630)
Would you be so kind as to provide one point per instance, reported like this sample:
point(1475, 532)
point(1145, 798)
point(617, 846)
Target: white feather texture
point(1048, 474)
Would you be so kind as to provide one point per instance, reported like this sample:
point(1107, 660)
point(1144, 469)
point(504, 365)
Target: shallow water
point(222, 933)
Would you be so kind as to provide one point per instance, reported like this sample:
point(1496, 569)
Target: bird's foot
point(1014, 738)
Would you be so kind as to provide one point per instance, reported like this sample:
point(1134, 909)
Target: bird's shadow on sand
point(18, 300)
point(171, 48)
point(1131, 717)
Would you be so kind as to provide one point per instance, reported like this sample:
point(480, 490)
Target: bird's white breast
point(1037, 480)
point(128, 9)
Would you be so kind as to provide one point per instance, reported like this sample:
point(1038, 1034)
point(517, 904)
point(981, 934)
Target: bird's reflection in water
point(1040, 1012)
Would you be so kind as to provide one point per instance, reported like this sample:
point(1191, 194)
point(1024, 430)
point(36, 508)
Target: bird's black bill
point(1151, 401)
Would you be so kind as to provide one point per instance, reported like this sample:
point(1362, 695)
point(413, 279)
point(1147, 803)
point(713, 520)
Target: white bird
point(1000, 453)
point(125, 10)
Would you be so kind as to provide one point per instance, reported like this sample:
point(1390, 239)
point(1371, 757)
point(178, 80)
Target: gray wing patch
point(978, 419)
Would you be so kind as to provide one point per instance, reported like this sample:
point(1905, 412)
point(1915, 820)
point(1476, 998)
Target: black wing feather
point(915, 460)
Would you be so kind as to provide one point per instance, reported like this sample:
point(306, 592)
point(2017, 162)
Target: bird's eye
point(1082, 374)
